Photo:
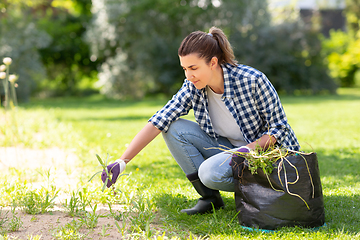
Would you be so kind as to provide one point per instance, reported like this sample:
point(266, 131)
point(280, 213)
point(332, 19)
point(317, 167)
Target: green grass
point(328, 125)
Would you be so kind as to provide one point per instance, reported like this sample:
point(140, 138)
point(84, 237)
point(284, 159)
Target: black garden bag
point(284, 203)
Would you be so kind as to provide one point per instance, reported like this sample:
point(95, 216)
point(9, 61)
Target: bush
point(140, 56)
point(289, 54)
point(140, 39)
point(138, 44)
point(343, 56)
point(20, 39)
point(70, 70)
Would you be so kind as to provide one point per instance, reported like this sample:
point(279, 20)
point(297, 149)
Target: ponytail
point(208, 45)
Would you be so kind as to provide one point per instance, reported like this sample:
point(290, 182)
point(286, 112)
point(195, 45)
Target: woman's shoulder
point(242, 71)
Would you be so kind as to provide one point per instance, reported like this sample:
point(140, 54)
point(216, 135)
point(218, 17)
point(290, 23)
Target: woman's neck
point(217, 83)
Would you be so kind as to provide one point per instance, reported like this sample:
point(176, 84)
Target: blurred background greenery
point(127, 49)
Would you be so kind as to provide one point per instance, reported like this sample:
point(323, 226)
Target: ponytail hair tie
point(210, 34)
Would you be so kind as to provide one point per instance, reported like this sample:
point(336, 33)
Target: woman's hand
point(113, 169)
point(145, 136)
point(241, 150)
point(264, 142)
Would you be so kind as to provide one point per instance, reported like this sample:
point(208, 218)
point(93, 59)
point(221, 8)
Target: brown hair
point(208, 45)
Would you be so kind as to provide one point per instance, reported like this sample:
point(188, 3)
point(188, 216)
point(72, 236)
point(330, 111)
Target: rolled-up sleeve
point(178, 106)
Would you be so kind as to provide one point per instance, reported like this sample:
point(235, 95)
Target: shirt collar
point(228, 84)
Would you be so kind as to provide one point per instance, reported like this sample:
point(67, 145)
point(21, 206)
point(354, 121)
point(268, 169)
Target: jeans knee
point(173, 130)
point(206, 176)
point(180, 128)
point(216, 177)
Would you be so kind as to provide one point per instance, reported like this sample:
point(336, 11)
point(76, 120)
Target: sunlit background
point(128, 49)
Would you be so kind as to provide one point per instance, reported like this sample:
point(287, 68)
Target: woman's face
point(196, 70)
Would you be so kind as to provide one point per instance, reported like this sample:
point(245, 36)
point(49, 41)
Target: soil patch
point(48, 225)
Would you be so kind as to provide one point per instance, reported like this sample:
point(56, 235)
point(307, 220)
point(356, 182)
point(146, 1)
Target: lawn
point(65, 134)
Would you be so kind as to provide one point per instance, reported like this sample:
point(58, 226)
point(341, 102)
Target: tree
point(45, 39)
point(352, 12)
point(139, 42)
point(68, 63)
point(342, 49)
point(20, 39)
point(290, 56)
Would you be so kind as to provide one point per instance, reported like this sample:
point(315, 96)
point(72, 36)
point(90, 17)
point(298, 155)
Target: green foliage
point(352, 12)
point(104, 229)
point(138, 52)
point(289, 54)
point(90, 219)
point(20, 39)
point(75, 207)
point(141, 56)
point(263, 159)
point(157, 184)
point(9, 224)
point(45, 40)
point(142, 208)
point(141, 38)
point(342, 49)
point(3, 220)
point(71, 231)
point(131, 46)
point(69, 68)
point(38, 201)
point(103, 165)
point(343, 56)
point(15, 222)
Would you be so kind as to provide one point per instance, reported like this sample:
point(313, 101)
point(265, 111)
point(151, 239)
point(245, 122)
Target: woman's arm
point(143, 138)
point(273, 115)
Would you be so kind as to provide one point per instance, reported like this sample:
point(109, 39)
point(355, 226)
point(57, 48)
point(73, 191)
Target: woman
point(234, 106)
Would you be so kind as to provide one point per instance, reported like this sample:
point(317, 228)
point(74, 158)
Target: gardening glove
point(242, 149)
point(115, 169)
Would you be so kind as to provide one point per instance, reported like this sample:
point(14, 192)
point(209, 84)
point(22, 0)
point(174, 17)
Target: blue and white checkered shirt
point(250, 98)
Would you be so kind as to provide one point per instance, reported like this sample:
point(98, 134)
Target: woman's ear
point(213, 62)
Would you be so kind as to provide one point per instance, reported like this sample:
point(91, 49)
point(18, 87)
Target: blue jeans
point(195, 151)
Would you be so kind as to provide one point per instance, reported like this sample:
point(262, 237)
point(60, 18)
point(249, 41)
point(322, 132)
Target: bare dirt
point(47, 225)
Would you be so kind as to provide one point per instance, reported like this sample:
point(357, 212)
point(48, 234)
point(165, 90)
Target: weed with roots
point(268, 159)
point(103, 165)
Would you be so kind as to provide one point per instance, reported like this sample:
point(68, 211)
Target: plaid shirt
point(250, 98)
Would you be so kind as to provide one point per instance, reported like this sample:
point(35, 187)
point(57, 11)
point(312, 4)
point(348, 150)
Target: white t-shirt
point(223, 122)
